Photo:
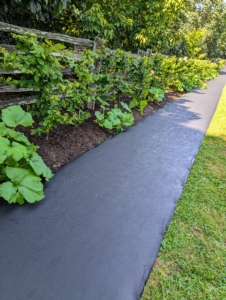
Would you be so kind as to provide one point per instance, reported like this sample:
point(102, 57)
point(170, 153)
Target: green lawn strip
point(192, 259)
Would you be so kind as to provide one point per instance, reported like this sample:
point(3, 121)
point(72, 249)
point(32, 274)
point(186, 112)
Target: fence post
point(141, 52)
point(98, 44)
point(149, 52)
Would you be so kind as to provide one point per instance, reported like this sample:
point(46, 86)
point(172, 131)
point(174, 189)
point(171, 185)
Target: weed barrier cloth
point(97, 233)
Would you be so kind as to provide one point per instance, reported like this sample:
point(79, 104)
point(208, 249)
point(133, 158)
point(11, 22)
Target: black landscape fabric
point(97, 233)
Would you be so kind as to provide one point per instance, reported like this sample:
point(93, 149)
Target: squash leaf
point(26, 183)
point(10, 193)
point(18, 136)
point(15, 115)
point(16, 150)
point(40, 167)
point(2, 129)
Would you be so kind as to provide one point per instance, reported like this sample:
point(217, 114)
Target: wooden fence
point(78, 44)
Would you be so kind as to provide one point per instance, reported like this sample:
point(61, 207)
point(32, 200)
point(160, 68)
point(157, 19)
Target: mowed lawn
point(192, 260)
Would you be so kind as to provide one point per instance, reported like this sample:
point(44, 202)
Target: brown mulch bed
point(66, 141)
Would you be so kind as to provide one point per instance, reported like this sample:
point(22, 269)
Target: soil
point(66, 142)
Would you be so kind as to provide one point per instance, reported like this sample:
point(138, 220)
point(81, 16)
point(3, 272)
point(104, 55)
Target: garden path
point(97, 233)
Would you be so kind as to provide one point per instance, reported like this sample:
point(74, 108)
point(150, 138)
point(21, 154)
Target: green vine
point(105, 78)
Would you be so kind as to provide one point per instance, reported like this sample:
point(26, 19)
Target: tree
point(43, 10)
point(123, 24)
point(194, 28)
point(30, 13)
point(206, 18)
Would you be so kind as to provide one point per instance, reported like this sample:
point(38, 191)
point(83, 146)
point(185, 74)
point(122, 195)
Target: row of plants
point(117, 76)
point(99, 78)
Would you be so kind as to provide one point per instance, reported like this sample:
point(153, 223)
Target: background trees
point(191, 28)
point(203, 25)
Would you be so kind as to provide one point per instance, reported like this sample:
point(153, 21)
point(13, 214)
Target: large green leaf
point(133, 103)
point(3, 154)
point(99, 115)
point(4, 143)
point(15, 115)
point(128, 119)
point(31, 149)
point(16, 150)
point(2, 129)
point(28, 184)
point(2, 157)
point(40, 167)
point(107, 124)
point(124, 105)
point(18, 136)
point(9, 192)
point(12, 162)
point(113, 119)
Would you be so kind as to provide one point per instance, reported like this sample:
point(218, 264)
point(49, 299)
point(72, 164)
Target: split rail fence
point(78, 44)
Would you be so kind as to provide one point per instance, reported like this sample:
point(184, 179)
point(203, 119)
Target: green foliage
point(122, 24)
point(151, 95)
point(21, 168)
point(118, 76)
point(43, 10)
point(125, 75)
point(157, 93)
point(194, 43)
point(202, 23)
point(58, 101)
point(37, 14)
point(187, 74)
point(115, 118)
point(177, 27)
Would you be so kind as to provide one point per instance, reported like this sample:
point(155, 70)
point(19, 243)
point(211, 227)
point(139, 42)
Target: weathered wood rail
point(12, 48)
point(78, 43)
point(17, 101)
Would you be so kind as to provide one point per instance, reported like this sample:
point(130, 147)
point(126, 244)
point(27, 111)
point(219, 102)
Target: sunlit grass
point(192, 259)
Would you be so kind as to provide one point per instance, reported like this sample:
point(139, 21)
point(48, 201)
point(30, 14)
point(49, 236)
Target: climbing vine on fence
point(105, 78)
point(58, 100)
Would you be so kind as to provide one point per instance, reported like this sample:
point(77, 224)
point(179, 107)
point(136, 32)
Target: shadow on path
point(98, 231)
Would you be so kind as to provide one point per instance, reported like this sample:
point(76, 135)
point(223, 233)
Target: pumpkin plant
point(21, 168)
point(115, 118)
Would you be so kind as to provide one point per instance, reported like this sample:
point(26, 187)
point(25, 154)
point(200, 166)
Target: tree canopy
point(182, 27)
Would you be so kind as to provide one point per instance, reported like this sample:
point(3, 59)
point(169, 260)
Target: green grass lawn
point(192, 259)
